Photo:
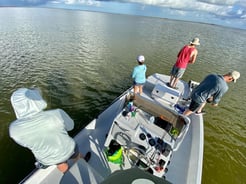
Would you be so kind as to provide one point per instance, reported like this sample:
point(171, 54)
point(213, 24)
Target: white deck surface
point(185, 166)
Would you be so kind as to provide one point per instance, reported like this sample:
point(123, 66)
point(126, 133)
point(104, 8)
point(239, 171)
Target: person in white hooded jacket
point(43, 132)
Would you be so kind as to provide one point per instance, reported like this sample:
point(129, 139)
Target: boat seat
point(165, 94)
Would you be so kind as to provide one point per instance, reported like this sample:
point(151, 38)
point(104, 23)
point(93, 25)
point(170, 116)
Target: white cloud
point(220, 2)
point(211, 6)
point(70, 1)
point(55, 2)
point(216, 7)
point(87, 2)
point(33, 1)
point(225, 8)
point(196, 10)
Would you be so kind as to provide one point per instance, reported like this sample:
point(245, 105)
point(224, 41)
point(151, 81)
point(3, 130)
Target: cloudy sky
point(230, 13)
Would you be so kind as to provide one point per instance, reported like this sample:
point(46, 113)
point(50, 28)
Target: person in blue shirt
point(139, 75)
point(210, 90)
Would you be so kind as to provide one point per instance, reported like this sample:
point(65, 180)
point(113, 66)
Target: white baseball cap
point(235, 75)
point(140, 58)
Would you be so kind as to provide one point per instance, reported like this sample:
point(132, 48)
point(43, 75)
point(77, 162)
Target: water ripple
point(83, 60)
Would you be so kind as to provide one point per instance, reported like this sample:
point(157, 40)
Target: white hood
point(27, 102)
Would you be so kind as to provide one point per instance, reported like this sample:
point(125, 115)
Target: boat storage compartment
point(165, 93)
point(163, 124)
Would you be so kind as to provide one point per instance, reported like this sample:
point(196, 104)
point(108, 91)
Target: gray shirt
point(43, 132)
point(212, 86)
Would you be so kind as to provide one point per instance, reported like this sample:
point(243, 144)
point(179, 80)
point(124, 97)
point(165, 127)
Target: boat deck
point(186, 161)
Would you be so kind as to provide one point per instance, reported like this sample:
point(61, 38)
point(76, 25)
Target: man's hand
point(214, 105)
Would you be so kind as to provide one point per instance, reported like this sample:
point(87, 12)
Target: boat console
point(147, 137)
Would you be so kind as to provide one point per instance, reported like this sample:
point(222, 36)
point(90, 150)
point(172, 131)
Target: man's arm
point(193, 56)
point(217, 97)
point(68, 122)
point(210, 100)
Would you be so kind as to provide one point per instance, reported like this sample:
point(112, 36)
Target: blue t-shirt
point(212, 86)
point(138, 73)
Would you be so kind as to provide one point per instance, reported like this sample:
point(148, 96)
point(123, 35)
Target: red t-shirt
point(184, 56)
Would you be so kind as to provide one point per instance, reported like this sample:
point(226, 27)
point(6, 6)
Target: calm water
point(83, 60)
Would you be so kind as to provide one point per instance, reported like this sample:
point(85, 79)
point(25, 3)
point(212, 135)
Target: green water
point(83, 60)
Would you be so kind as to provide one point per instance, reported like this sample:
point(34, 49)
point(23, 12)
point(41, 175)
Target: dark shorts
point(177, 72)
point(194, 105)
point(138, 84)
point(74, 155)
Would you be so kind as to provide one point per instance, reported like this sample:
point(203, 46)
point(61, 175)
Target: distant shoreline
point(149, 16)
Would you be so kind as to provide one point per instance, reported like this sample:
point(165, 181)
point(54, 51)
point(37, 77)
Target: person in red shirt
point(187, 55)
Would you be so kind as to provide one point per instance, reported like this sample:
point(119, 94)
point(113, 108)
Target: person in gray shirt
point(210, 90)
point(44, 132)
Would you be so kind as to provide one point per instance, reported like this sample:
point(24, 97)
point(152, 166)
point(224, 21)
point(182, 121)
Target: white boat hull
point(187, 156)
